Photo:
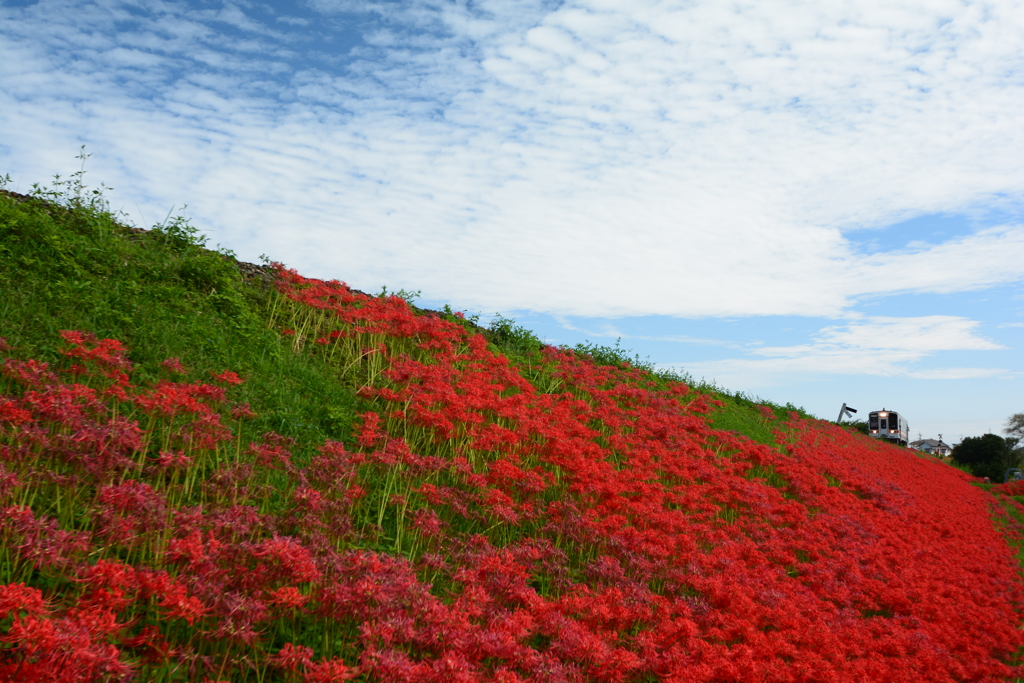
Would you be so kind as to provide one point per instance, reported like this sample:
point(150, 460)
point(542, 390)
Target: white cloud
point(591, 158)
point(920, 335)
point(879, 346)
point(608, 330)
point(959, 373)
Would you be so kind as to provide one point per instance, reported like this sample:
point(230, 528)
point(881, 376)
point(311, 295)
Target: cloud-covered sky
point(810, 202)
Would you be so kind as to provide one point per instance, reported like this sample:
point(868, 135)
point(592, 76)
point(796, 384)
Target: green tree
point(987, 456)
point(1015, 426)
point(1015, 439)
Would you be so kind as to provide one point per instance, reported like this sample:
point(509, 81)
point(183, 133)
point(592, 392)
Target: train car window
point(885, 425)
point(873, 422)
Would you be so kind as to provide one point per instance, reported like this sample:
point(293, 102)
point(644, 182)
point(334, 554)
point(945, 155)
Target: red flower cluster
point(43, 646)
point(822, 562)
point(1010, 488)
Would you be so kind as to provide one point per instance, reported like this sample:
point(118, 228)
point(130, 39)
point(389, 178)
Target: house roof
point(931, 443)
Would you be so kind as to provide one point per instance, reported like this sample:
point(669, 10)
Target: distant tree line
point(991, 455)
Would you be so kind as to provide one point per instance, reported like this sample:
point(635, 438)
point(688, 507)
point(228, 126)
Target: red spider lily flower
point(4, 346)
point(16, 598)
point(39, 541)
point(12, 413)
point(295, 559)
point(270, 455)
point(180, 605)
point(354, 493)
point(427, 523)
point(107, 353)
point(205, 433)
point(31, 373)
point(228, 377)
point(173, 460)
point(110, 574)
point(432, 493)
point(77, 337)
point(370, 433)
point(134, 497)
point(308, 498)
point(292, 658)
point(193, 549)
point(168, 399)
point(287, 333)
point(242, 411)
point(288, 597)
point(174, 366)
point(120, 379)
point(117, 392)
point(329, 671)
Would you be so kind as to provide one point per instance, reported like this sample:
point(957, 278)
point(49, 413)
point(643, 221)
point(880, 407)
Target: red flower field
point(562, 521)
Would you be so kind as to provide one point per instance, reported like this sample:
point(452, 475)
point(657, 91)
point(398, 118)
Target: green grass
point(69, 264)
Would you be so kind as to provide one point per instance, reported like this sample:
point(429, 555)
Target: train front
point(888, 425)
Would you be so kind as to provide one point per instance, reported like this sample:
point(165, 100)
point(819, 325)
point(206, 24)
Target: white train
point(888, 425)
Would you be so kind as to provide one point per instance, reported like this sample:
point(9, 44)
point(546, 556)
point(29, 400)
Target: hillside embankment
point(212, 471)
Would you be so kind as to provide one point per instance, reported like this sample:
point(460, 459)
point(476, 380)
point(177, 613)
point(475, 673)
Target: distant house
point(932, 446)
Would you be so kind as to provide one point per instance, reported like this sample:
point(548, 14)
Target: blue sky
point(809, 202)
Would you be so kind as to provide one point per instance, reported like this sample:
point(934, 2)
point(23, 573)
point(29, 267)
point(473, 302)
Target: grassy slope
point(164, 295)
